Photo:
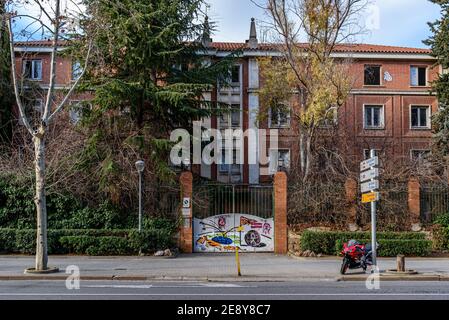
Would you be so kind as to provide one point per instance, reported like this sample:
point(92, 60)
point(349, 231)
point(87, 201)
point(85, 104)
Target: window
point(235, 74)
point(279, 117)
point(420, 157)
point(75, 111)
point(418, 76)
point(77, 70)
point(367, 153)
point(32, 69)
point(229, 168)
point(420, 117)
point(279, 160)
point(230, 118)
point(372, 75)
point(373, 117)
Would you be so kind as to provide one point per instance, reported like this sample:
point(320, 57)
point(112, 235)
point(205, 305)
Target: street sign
point(370, 197)
point(368, 175)
point(186, 202)
point(372, 162)
point(369, 186)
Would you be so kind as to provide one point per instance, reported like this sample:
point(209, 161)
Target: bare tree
point(56, 21)
point(308, 32)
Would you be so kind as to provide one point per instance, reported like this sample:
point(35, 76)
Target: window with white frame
point(279, 117)
point(367, 153)
point(420, 117)
point(372, 75)
point(418, 76)
point(235, 74)
point(279, 160)
point(420, 157)
point(32, 69)
point(230, 118)
point(373, 116)
point(75, 111)
point(226, 168)
point(77, 70)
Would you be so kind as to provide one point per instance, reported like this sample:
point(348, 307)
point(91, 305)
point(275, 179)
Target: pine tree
point(149, 78)
point(439, 42)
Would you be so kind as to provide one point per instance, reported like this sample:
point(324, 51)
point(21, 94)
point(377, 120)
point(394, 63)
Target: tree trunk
point(304, 151)
point(41, 205)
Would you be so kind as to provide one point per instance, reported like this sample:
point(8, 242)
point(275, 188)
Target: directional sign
point(368, 175)
point(369, 186)
point(372, 162)
point(370, 197)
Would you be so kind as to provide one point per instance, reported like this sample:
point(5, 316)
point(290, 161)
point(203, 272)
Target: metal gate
point(226, 217)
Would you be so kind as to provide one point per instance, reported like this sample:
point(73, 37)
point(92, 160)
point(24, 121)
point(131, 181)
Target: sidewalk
point(213, 267)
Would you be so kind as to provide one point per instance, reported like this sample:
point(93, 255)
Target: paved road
point(305, 290)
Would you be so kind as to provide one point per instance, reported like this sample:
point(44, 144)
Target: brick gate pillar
point(414, 203)
point(351, 198)
point(280, 213)
point(185, 233)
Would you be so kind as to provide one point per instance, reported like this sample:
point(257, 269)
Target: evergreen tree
point(439, 42)
point(149, 78)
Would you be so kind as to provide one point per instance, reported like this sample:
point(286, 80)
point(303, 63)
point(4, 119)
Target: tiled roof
point(38, 43)
point(350, 48)
point(233, 46)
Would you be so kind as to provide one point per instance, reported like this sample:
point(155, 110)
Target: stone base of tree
point(48, 270)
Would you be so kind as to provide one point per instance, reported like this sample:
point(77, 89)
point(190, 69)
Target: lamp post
point(140, 166)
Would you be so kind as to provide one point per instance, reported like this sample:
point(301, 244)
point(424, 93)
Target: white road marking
point(200, 285)
point(229, 294)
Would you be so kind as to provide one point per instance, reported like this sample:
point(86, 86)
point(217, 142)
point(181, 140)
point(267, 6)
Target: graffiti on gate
point(221, 233)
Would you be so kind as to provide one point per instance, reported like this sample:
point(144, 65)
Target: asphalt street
point(143, 290)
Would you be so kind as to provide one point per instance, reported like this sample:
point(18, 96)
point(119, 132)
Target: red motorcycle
point(356, 255)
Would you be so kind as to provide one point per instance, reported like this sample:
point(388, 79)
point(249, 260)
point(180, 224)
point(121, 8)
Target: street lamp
point(140, 166)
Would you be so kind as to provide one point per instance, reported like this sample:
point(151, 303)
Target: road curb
point(386, 277)
point(27, 277)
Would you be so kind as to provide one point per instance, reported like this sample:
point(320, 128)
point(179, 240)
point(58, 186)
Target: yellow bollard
point(237, 258)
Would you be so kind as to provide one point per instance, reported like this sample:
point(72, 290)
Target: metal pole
point(140, 201)
point(373, 225)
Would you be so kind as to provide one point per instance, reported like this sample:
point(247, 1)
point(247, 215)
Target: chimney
point(252, 42)
point(206, 39)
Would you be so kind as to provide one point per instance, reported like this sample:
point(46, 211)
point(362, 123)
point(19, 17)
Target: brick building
point(33, 62)
point(389, 107)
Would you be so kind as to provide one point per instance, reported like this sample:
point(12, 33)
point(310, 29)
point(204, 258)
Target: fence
point(392, 209)
point(162, 201)
point(434, 200)
point(215, 199)
point(321, 202)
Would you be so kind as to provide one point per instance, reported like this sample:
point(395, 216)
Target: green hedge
point(393, 247)
point(324, 242)
point(440, 232)
point(90, 242)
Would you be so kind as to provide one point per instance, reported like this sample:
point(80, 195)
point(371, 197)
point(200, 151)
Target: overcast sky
point(400, 23)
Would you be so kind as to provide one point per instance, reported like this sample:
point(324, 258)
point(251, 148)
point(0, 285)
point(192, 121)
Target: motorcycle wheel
point(344, 266)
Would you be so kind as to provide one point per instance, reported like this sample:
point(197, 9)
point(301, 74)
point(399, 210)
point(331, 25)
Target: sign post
point(369, 173)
